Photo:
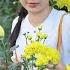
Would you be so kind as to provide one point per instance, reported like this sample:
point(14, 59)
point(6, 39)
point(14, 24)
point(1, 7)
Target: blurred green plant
point(60, 4)
point(8, 11)
point(5, 54)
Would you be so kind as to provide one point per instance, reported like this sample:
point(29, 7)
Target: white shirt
point(50, 26)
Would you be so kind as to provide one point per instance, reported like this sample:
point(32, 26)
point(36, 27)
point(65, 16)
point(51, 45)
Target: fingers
point(60, 67)
point(16, 60)
point(50, 66)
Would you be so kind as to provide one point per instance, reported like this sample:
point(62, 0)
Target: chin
point(34, 10)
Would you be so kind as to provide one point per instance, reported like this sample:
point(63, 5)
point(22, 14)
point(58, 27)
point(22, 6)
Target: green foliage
point(5, 54)
point(14, 67)
point(53, 3)
point(8, 11)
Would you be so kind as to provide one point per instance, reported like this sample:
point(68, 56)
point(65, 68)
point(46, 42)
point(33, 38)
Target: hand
point(16, 60)
point(50, 66)
point(60, 66)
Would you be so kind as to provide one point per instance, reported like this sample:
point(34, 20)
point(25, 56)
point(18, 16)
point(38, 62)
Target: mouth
point(32, 5)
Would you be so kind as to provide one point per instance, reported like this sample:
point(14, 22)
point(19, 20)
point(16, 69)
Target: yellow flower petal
point(1, 32)
point(68, 67)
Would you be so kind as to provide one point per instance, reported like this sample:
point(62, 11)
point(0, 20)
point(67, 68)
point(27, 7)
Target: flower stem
point(32, 62)
point(44, 41)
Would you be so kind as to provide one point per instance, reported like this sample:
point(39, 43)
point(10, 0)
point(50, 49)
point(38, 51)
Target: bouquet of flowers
point(37, 54)
point(63, 3)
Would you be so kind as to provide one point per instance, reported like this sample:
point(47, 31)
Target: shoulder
point(66, 21)
point(67, 18)
point(14, 23)
point(59, 12)
point(66, 27)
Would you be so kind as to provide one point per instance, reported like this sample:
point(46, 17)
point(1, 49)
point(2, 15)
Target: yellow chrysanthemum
point(46, 55)
point(32, 49)
point(41, 60)
point(41, 35)
point(1, 32)
point(61, 3)
point(68, 67)
point(53, 55)
point(42, 53)
point(29, 36)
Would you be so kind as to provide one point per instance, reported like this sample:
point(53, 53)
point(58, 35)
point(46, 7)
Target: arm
point(13, 58)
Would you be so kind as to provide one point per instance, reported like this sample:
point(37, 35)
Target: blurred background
point(8, 11)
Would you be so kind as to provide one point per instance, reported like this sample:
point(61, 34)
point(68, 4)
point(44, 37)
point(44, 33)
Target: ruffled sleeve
point(66, 39)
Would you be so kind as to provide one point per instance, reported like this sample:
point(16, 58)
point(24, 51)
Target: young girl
point(40, 12)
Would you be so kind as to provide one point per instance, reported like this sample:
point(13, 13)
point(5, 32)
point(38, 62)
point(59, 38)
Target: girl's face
point(35, 6)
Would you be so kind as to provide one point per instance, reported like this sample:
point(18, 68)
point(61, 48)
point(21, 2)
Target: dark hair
point(22, 14)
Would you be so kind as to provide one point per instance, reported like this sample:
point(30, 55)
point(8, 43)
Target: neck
point(37, 18)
